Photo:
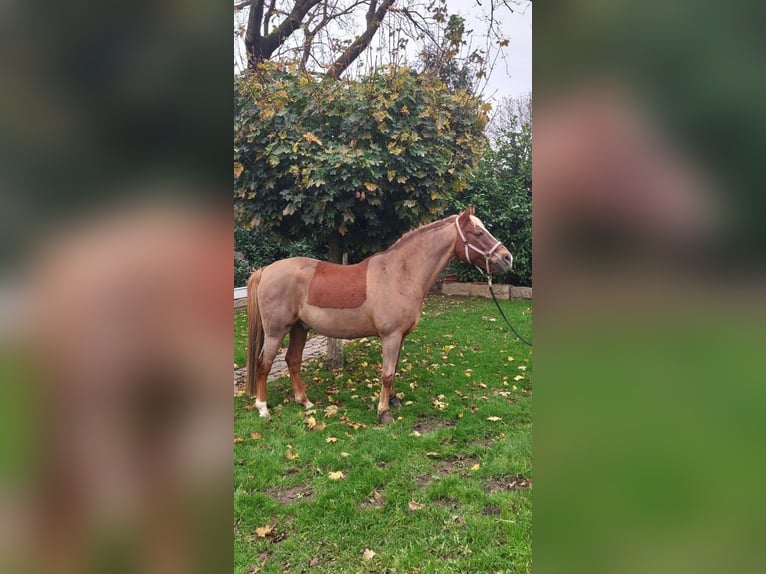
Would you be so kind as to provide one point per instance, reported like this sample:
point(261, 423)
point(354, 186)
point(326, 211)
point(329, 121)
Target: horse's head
point(476, 245)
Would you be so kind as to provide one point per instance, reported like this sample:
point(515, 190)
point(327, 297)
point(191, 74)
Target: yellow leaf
point(344, 454)
point(336, 475)
point(368, 554)
point(310, 137)
point(331, 410)
point(256, 435)
point(518, 377)
point(370, 186)
point(311, 422)
point(264, 531)
point(475, 467)
point(238, 169)
point(494, 419)
point(290, 453)
point(412, 505)
point(238, 439)
point(331, 439)
point(510, 358)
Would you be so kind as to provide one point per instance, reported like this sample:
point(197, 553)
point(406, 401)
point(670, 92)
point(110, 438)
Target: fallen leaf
point(238, 439)
point(475, 467)
point(518, 377)
point(412, 505)
point(256, 435)
point(313, 562)
point(368, 554)
point(264, 531)
point(433, 454)
point(331, 439)
point(336, 475)
point(290, 453)
point(344, 454)
point(415, 433)
point(331, 410)
point(319, 427)
point(494, 419)
point(510, 358)
point(311, 422)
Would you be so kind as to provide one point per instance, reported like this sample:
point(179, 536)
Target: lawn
point(446, 488)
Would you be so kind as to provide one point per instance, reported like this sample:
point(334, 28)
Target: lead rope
point(515, 332)
point(488, 275)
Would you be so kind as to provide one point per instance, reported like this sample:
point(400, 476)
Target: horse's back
point(292, 269)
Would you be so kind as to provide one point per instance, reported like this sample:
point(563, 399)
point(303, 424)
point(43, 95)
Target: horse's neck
point(427, 255)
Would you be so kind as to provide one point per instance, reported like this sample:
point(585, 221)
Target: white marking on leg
point(308, 404)
point(262, 408)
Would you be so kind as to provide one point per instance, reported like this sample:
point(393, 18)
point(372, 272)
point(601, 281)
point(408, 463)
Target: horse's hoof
point(386, 418)
point(394, 402)
point(308, 404)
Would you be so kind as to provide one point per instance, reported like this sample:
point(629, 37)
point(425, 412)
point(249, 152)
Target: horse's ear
point(466, 214)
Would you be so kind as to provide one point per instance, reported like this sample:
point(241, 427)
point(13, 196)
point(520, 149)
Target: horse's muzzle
point(501, 261)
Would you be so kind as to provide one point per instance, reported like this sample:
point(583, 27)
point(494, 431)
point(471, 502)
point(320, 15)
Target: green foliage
point(501, 190)
point(259, 248)
point(357, 163)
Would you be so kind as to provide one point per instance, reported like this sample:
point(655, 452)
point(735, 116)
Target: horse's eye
point(479, 233)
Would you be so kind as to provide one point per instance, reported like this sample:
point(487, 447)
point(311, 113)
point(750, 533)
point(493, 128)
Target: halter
point(485, 254)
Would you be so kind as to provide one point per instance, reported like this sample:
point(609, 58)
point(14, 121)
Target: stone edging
point(502, 291)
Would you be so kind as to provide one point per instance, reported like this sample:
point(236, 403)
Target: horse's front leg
point(294, 359)
point(392, 345)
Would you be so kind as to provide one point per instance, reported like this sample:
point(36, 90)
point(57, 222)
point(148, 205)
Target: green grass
point(457, 370)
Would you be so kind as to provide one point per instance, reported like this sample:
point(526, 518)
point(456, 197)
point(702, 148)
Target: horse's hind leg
point(294, 358)
point(270, 348)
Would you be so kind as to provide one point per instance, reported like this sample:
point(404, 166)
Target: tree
point(501, 188)
point(351, 163)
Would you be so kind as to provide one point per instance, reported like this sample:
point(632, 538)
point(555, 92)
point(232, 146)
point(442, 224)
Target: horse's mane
point(418, 231)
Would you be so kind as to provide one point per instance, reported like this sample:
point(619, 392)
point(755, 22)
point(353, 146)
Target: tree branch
point(261, 48)
point(374, 18)
point(253, 33)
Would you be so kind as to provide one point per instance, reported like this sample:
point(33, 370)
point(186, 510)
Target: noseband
point(485, 254)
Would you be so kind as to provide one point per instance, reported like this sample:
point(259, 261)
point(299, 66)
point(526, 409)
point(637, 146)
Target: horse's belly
point(338, 323)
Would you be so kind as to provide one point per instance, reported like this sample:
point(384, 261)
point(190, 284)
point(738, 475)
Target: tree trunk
point(335, 346)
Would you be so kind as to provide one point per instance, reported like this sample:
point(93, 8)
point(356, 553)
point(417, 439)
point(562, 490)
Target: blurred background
point(648, 273)
point(115, 287)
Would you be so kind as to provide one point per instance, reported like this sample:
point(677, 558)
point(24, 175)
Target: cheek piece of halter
point(485, 254)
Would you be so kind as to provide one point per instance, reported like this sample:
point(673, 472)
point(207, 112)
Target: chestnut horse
point(381, 296)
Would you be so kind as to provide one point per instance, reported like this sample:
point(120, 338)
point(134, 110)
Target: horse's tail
point(254, 330)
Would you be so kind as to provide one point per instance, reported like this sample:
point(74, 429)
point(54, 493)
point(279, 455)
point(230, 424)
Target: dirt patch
point(431, 425)
point(298, 493)
point(447, 501)
point(508, 483)
point(459, 465)
point(374, 502)
point(490, 510)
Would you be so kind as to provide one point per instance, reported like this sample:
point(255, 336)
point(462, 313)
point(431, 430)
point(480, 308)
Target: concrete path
point(315, 347)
